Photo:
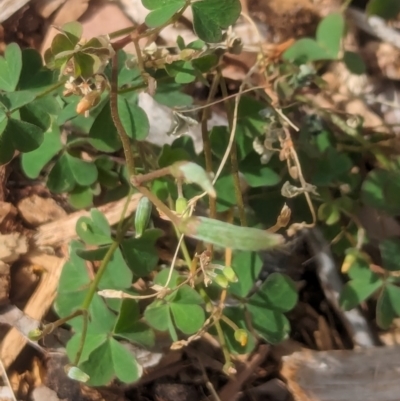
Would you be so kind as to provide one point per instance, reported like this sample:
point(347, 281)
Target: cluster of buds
point(221, 275)
point(90, 90)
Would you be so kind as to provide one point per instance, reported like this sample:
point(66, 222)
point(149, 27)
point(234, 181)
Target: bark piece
point(357, 375)
point(7, 216)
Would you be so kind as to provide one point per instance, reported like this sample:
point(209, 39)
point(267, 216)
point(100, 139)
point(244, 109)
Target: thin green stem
point(51, 89)
point(234, 159)
point(126, 143)
point(122, 32)
point(216, 316)
point(125, 208)
point(49, 328)
point(159, 204)
point(222, 342)
point(82, 339)
point(207, 142)
point(138, 180)
point(230, 323)
point(103, 266)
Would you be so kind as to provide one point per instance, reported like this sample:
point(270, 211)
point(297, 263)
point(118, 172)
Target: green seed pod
point(181, 205)
point(221, 280)
point(77, 374)
point(142, 216)
point(228, 235)
point(230, 274)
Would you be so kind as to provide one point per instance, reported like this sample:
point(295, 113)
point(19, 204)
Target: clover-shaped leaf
point(81, 60)
point(81, 197)
point(390, 253)
point(271, 325)
point(364, 282)
point(34, 77)
point(129, 327)
point(383, 8)
point(14, 100)
point(277, 295)
point(381, 190)
point(183, 306)
point(278, 292)
point(104, 358)
point(94, 230)
point(133, 118)
point(388, 305)
point(33, 162)
point(10, 67)
point(257, 175)
point(183, 71)
point(17, 135)
point(238, 317)
point(247, 266)
point(140, 253)
point(73, 287)
point(69, 171)
point(325, 47)
point(103, 134)
point(161, 11)
point(210, 17)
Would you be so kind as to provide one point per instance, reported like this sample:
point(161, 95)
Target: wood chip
point(47, 7)
point(358, 375)
point(37, 306)
point(44, 393)
point(4, 282)
point(12, 246)
point(9, 7)
point(36, 210)
point(61, 231)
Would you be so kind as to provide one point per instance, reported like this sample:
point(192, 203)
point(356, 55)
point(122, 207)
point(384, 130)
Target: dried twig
point(374, 26)
point(230, 391)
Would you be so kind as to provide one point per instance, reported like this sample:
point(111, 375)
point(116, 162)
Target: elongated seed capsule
point(228, 235)
point(221, 280)
point(142, 216)
point(181, 205)
point(230, 274)
point(77, 374)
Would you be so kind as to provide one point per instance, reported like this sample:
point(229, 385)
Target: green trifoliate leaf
point(161, 11)
point(210, 17)
point(10, 67)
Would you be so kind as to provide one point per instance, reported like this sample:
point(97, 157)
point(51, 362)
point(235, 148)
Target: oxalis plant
point(68, 120)
point(71, 120)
